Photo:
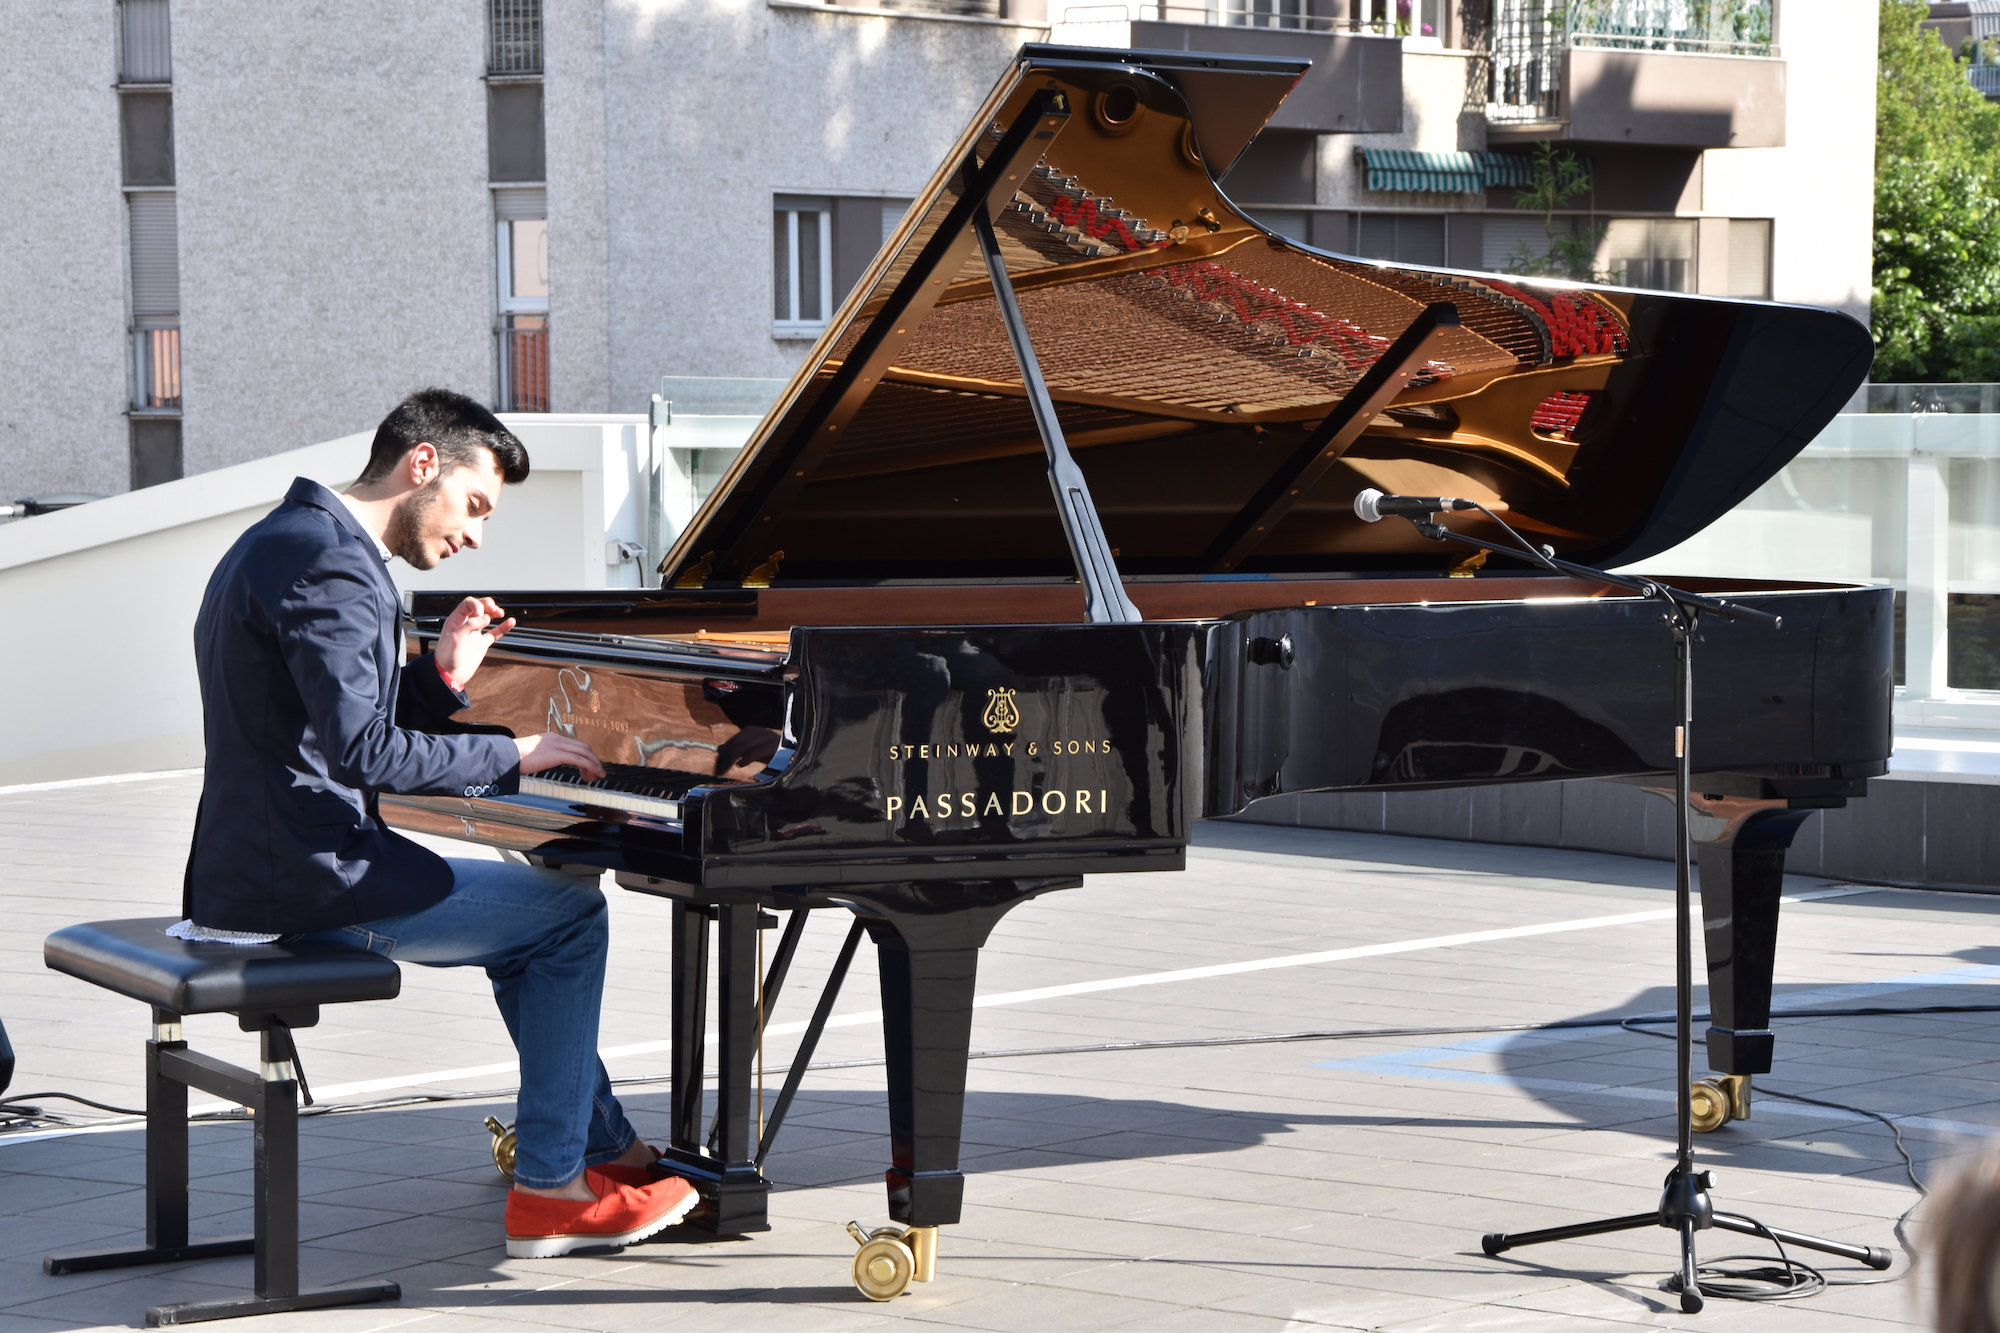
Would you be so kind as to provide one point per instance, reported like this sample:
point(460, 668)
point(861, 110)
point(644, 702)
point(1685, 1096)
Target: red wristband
point(446, 676)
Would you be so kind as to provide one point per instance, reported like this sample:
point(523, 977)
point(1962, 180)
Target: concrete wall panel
point(63, 380)
point(1660, 97)
point(1902, 832)
point(336, 234)
point(1355, 85)
point(579, 244)
point(715, 107)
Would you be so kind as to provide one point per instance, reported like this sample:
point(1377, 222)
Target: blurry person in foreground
point(1961, 1228)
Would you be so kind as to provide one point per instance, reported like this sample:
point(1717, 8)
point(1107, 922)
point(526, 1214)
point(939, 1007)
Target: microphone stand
point(1685, 1206)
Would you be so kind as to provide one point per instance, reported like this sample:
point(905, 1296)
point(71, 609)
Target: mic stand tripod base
point(1686, 1210)
point(1685, 1207)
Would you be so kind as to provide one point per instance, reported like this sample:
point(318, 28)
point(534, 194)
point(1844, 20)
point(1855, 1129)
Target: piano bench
point(271, 989)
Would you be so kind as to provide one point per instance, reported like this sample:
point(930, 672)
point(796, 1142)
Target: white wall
point(1819, 189)
point(100, 600)
point(62, 345)
point(336, 231)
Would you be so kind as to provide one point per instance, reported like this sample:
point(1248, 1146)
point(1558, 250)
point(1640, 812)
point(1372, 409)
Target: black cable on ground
point(1793, 1278)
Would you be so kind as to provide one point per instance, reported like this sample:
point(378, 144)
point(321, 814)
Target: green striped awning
point(1445, 173)
point(1513, 169)
point(1429, 173)
point(1517, 169)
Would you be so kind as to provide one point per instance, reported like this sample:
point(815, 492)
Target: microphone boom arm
point(1653, 588)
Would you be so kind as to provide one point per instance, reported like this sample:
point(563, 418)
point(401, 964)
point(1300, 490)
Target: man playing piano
point(309, 713)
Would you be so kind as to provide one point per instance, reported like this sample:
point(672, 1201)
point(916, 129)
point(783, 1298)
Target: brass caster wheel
point(1708, 1105)
point(884, 1266)
point(503, 1147)
point(1738, 1088)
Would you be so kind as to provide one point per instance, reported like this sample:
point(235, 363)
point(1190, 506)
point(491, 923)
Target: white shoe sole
point(554, 1247)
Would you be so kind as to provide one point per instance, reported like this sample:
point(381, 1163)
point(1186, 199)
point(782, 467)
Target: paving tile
point(1224, 1187)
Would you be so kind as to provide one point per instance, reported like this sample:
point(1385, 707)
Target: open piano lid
point(1190, 353)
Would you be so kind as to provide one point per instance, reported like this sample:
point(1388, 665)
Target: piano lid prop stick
point(1104, 599)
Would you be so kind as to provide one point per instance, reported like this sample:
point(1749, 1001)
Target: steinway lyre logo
point(1002, 714)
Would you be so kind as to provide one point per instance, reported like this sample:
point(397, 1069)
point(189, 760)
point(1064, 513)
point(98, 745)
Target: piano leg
point(1740, 846)
point(734, 1194)
point(927, 939)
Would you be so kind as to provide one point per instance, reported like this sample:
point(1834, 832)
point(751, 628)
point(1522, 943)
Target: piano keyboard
point(643, 791)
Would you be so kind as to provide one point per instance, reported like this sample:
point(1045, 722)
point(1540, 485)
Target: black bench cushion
point(138, 958)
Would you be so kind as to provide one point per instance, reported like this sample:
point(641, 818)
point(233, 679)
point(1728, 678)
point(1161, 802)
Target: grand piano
point(1048, 550)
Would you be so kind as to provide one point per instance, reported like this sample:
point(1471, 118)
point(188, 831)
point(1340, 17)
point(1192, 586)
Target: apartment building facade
point(243, 228)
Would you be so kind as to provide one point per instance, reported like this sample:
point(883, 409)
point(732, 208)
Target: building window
point(156, 300)
point(517, 152)
point(1649, 252)
point(802, 266)
point(516, 141)
point(156, 369)
point(146, 55)
point(1750, 257)
point(521, 254)
point(514, 29)
point(146, 154)
point(1404, 238)
point(1291, 223)
point(156, 451)
point(820, 247)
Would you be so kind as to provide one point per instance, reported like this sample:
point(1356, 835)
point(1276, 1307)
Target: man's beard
point(406, 535)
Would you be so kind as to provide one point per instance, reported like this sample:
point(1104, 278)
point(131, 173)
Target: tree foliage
point(1936, 309)
point(1555, 178)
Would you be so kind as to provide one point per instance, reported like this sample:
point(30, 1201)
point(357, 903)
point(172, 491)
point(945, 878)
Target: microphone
point(1371, 506)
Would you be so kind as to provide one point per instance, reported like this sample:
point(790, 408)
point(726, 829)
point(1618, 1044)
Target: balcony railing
point(524, 363)
point(1924, 399)
point(1295, 15)
point(156, 369)
point(1529, 37)
point(1986, 78)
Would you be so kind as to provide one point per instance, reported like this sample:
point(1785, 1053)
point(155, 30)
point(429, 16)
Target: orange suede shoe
point(636, 1176)
point(543, 1228)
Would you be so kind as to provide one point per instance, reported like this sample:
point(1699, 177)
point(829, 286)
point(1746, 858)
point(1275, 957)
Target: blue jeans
point(541, 936)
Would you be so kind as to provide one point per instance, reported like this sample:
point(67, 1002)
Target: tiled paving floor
point(1325, 1183)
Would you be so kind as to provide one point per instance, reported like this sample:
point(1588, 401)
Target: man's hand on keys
point(553, 750)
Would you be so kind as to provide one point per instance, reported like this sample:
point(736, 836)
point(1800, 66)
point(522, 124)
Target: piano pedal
point(1717, 1101)
point(503, 1148)
point(890, 1258)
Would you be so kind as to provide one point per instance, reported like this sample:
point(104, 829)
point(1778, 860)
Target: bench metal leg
point(272, 1095)
point(166, 1175)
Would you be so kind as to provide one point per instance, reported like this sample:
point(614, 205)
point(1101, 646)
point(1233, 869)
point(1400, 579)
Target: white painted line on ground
point(511, 1068)
point(99, 782)
point(863, 1017)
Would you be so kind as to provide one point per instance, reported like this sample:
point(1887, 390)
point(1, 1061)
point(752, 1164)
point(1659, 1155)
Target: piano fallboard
point(939, 753)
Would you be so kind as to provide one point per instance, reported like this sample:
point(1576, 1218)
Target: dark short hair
point(456, 426)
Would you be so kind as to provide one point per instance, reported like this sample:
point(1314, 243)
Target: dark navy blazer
point(307, 714)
